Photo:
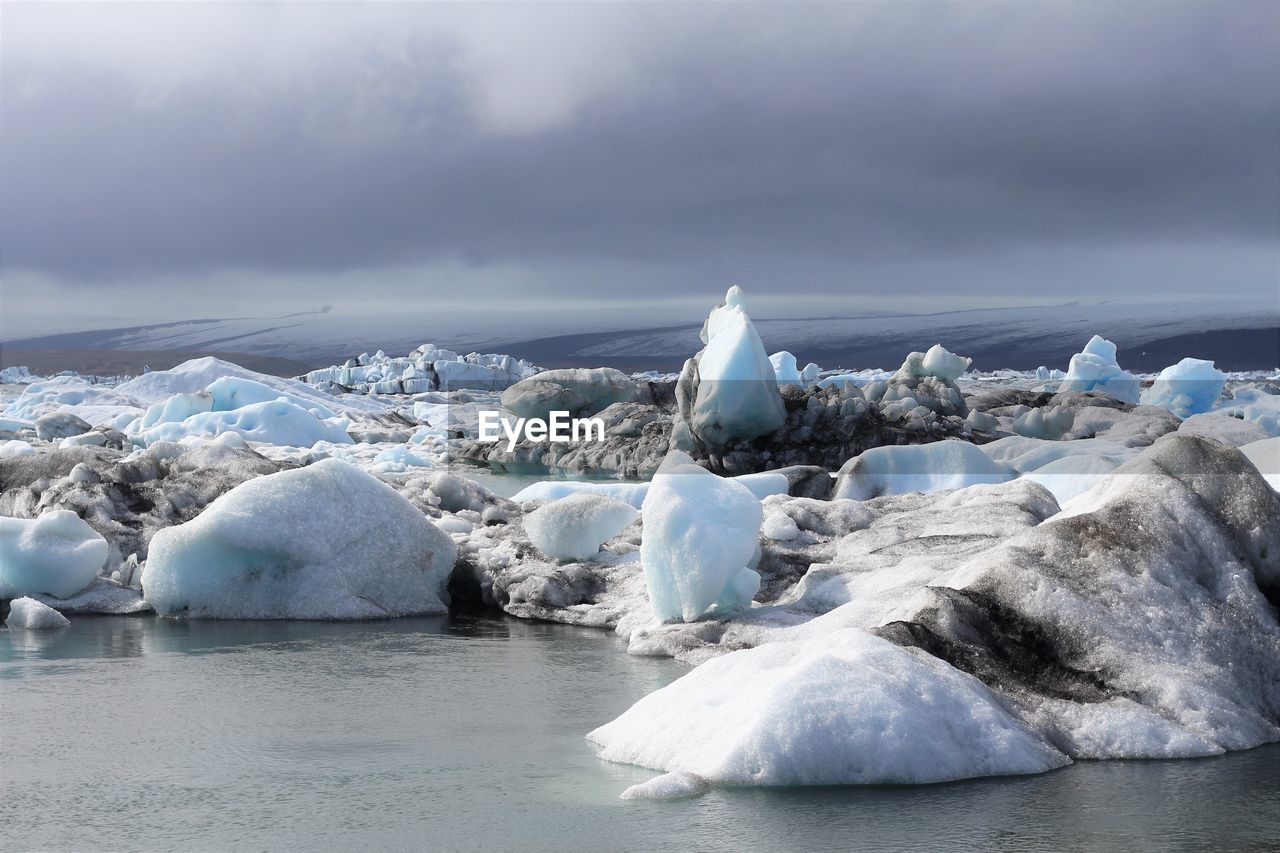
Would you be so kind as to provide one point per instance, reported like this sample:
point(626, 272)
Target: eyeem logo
point(560, 429)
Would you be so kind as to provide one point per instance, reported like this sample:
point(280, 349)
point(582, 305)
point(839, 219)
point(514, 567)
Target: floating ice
point(898, 469)
point(327, 541)
point(574, 527)
point(728, 390)
point(1187, 388)
point(56, 554)
point(844, 708)
point(668, 786)
point(700, 534)
point(275, 422)
point(34, 616)
point(1095, 369)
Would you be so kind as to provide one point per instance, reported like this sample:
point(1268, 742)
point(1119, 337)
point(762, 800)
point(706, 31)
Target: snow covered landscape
point(878, 576)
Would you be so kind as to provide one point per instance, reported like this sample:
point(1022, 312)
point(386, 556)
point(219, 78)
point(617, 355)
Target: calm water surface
point(466, 733)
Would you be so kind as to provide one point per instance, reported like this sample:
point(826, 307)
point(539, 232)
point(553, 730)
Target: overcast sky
point(187, 160)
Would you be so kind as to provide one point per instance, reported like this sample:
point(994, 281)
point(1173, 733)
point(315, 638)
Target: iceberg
point(899, 469)
point(56, 554)
point(1095, 369)
point(700, 534)
point(1190, 387)
point(845, 708)
point(729, 390)
point(274, 422)
point(579, 392)
point(327, 541)
point(785, 368)
point(574, 528)
point(33, 615)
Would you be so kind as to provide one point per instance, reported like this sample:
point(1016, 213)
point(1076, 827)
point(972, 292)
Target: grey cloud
point(809, 137)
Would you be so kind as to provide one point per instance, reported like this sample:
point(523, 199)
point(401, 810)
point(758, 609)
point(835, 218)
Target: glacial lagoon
point(466, 732)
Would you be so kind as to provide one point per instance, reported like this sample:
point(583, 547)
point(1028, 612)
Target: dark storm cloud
point(811, 136)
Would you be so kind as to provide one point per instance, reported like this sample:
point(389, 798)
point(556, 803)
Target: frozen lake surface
point(466, 732)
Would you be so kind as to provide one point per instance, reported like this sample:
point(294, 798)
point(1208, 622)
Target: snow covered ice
point(327, 541)
point(574, 527)
point(1095, 369)
point(32, 615)
point(56, 554)
point(700, 535)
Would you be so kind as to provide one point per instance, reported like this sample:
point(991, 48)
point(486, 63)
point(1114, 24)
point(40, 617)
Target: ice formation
point(1265, 456)
point(926, 379)
point(327, 541)
point(578, 391)
point(668, 786)
point(918, 468)
point(32, 615)
point(700, 534)
point(785, 368)
point(56, 554)
point(1095, 369)
point(574, 527)
point(728, 390)
point(277, 422)
point(1050, 423)
point(1187, 388)
point(845, 708)
point(427, 368)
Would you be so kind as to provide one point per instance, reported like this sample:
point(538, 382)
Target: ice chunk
point(1050, 422)
point(843, 708)
point(274, 422)
point(943, 364)
point(762, 485)
point(700, 534)
point(668, 786)
point(16, 448)
point(327, 541)
point(1259, 404)
point(810, 373)
point(1187, 388)
point(32, 615)
point(785, 368)
point(1233, 431)
point(1095, 369)
point(574, 528)
point(56, 554)
point(898, 469)
point(60, 425)
point(729, 390)
point(236, 392)
point(579, 392)
point(1072, 475)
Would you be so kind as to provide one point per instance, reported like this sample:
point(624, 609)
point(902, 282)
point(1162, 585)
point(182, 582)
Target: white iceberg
point(56, 554)
point(844, 708)
point(327, 541)
point(700, 534)
point(33, 615)
point(1190, 387)
point(1095, 369)
point(574, 528)
point(785, 368)
point(898, 469)
point(273, 422)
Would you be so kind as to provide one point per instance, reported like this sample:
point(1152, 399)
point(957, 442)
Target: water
point(465, 732)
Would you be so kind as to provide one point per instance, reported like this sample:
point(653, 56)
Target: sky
point(623, 161)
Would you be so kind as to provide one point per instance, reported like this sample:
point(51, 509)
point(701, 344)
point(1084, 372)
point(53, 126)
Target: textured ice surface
point(274, 422)
point(574, 527)
point(700, 534)
point(845, 708)
point(736, 392)
point(1233, 431)
point(933, 467)
point(1095, 369)
point(1265, 455)
point(32, 615)
point(56, 554)
point(668, 786)
point(327, 541)
point(761, 485)
point(1187, 388)
point(785, 368)
point(579, 392)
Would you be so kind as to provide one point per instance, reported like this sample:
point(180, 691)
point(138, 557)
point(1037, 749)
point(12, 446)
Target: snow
point(574, 527)
point(1258, 404)
point(1069, 476)
point(327, 541)
point(737, 391)
point(700, 534)
point(845, 708)
point(74, 395)
point(668, 786)
point(1190, 387)
point(1095, 369)
point(57, 554)
point(898, 469)
point(277, 422)
point(32, 615)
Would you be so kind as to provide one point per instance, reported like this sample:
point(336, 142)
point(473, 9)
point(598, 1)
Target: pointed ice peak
point(735, 297)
